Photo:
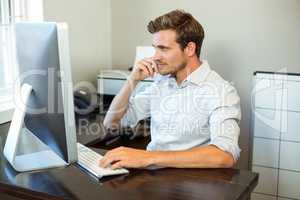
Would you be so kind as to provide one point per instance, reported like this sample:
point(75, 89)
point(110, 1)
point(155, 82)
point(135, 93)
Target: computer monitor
point(42, 133)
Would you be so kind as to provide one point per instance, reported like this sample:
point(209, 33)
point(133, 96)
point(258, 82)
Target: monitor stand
point(23, 150)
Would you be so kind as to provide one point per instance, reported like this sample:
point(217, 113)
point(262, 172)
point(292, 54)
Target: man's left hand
point(126, 157)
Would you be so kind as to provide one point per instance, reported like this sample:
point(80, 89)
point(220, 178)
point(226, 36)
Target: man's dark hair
point(187, 28)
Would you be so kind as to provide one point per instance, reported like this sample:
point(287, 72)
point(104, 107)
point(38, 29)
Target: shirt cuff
point(227, 145)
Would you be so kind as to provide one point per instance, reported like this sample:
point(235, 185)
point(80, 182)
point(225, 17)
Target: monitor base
point(23, 150)
point(32, 154)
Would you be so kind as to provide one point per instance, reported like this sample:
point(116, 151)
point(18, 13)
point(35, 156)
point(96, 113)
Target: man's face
point(169, 57)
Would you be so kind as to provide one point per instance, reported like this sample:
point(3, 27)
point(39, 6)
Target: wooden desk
point(73, 183)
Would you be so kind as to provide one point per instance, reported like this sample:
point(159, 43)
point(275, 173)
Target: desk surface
point(73, 183)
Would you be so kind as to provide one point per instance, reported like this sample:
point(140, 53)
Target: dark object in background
point(81, 99)
point(85, 102)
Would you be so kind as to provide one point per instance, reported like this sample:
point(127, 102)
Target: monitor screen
point(40, 54)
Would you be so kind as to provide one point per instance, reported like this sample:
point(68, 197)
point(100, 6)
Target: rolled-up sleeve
point(138, 107)
point(224, 123)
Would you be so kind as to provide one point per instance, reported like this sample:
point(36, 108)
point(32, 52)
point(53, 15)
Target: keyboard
point(89, 160)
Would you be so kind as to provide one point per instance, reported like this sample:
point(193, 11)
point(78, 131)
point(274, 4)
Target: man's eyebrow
point(160, 46)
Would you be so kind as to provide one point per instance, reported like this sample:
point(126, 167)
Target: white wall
point(241, 37)
point(90, 37)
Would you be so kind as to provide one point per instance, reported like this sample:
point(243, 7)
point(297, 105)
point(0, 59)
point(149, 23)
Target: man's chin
point(163, 72)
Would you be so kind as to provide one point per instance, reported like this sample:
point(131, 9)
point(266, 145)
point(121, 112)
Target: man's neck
point(187, 70)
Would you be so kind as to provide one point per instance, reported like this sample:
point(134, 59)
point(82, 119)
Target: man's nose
point(157, 56)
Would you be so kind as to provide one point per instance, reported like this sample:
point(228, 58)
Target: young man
point(194, 112)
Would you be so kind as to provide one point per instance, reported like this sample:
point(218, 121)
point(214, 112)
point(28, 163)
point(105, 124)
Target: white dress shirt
point(204, 109)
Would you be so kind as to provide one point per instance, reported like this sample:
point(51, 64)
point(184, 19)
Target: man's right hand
point(144, 69)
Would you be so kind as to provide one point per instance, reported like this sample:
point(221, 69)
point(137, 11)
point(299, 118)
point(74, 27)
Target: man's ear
point(190, 49)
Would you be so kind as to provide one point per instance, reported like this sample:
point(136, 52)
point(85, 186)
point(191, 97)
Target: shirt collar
point(199, 75)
